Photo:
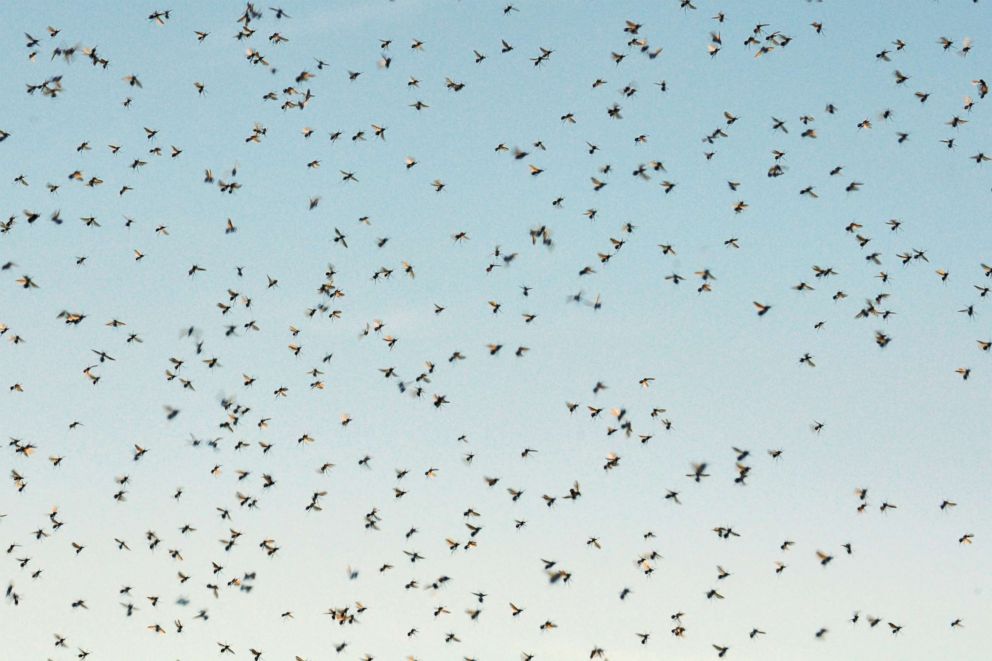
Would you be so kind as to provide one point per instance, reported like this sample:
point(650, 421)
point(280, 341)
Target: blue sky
point(898, 421)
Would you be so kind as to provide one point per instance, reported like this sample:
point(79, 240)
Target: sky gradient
point(898, 420)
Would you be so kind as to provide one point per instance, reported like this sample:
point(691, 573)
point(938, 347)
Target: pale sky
point(899, 420)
